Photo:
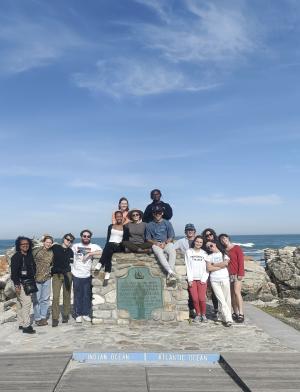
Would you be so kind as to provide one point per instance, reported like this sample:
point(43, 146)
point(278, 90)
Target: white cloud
point(137, 78)
point(26, 44)
point(271, 199)
point(210, 34)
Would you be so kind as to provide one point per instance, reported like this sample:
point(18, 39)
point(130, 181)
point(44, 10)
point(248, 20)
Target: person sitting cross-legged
point(137, 227)
point(160, 234)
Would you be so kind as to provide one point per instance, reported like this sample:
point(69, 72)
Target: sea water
point(252, 245)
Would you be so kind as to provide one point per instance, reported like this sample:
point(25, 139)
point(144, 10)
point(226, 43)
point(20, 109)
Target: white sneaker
point(98, 267)
point(78, 319)
point(86, 318)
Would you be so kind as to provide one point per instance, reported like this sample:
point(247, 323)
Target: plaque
point(139, 293)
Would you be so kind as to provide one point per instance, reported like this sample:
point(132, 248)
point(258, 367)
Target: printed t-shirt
point(82, 268)
point(222, 274)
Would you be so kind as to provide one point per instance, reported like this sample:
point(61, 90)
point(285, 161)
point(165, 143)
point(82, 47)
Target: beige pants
point(23, 308)
point(222, 292)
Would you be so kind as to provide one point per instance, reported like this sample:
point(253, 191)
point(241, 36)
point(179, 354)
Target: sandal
point(240, 318)
point(234, 317)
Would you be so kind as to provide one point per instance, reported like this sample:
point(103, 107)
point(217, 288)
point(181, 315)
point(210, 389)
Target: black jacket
point(148, 216)
point(62, 259)
point(19, 264)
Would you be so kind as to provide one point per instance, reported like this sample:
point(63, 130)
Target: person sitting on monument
point(160, 234)
point(156, 195)
point(185, 243)
point(136, 227)
point(116, 234)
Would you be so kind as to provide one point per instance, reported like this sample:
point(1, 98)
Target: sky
point(101, 99)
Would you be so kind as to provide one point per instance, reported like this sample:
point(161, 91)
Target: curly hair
point(18, 242)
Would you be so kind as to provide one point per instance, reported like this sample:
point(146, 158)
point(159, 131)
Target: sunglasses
point(135, 214)
point(208, 234)
point(69, 239)
point(86, 236)
point(210, 246)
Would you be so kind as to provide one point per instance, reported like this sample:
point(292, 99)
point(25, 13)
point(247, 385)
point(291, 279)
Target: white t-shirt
point(196, 265)
point(82, 268)
point(222, 274)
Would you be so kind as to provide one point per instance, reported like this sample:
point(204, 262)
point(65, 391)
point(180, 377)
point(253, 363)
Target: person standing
point(217, 266)
point(136, 227)
point(116, 234)
point(156, 195)
point(183, 244)
point(210, 235)
point(123, 206)
point(236, 270)
point(160, 234)
point(195, 260)
point(43, 257)
point(62, 277)
point(23, 267)
point(84, 252)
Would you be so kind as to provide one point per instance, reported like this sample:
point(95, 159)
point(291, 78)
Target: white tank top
point(116, 236)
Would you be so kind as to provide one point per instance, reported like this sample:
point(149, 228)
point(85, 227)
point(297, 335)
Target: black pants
point(134, 247)
point(108, 251)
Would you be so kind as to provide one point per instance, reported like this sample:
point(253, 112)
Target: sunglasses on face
point(209, 234)
point(135, 214)
point(86, 236)
point(69, 240)
point(210, 246)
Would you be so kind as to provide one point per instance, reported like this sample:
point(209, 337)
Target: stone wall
point(175, 297)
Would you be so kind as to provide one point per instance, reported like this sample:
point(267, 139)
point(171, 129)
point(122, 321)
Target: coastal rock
point(283, 268)
point(256, 283)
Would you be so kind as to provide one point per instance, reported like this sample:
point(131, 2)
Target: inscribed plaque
point(139, 293)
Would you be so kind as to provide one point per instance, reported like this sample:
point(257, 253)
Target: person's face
point(68, 241)
point(135, 216)
point(156, 196)
point(198, 243)
point(48, 243)
point(24, 246)
point(86, 238)
point(211, 246)
point(158, 215)
point(209, 236)
point(123, 205)
point(225, 241)
point(119, 219)
point(190, 233)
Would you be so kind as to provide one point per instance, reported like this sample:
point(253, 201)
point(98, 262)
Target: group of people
point(210, 259)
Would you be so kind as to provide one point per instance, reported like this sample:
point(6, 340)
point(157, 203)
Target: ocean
point(253, 245)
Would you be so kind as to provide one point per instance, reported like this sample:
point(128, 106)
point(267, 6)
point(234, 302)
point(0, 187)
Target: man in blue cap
point(183, 244)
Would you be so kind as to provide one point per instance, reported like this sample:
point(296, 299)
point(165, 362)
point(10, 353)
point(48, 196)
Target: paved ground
point(151, 336)
point(260, 355)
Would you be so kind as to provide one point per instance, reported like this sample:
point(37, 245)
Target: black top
point(125, 233)
point(62, 259)
point(148, 216)
point(22, 267)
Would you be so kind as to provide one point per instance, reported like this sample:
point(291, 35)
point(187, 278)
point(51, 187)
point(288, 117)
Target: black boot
point(28, 330)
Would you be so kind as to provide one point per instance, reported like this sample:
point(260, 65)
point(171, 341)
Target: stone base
point(174, 304)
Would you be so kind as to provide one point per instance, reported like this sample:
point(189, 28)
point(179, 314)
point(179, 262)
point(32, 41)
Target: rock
point(4, 266)
point(97, 299)
point(256, 283)
point(8, 316)
point(283, 268)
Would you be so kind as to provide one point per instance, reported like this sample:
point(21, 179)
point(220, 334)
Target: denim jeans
point(41, 300)
point(82, 296)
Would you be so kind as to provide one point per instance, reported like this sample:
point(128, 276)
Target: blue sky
point(107, 98)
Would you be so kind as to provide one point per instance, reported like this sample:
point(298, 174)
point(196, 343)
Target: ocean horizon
point(252, 245)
